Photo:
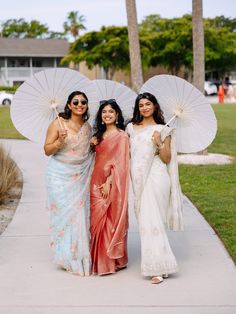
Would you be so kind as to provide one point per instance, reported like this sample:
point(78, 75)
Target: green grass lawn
point(7, 129)
point(211, 188)
point(225, 141)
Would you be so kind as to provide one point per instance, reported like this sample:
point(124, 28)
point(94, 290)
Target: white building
point(21, 58)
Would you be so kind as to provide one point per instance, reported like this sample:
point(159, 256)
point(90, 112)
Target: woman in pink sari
point(109, 191)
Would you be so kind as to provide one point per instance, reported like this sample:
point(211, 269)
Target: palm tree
point(198, 49)
point(134, 47)
point(74, 24)
point(198, 45)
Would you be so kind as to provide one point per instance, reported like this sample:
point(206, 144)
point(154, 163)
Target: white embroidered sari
point(157, 199)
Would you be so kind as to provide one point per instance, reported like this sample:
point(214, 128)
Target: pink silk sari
point(109, 217)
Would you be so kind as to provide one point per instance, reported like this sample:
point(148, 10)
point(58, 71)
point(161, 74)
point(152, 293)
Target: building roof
point(31, 47)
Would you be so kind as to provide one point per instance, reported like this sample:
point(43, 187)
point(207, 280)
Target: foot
point(165, 276)
point(75, 273)
point(120, 268)
point(156, 279)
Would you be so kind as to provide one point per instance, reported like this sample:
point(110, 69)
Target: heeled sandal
point(156, 280)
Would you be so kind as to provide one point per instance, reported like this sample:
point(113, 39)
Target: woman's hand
point(93, 141)
point(105, 188)
point(156, 137)
point(62, 135)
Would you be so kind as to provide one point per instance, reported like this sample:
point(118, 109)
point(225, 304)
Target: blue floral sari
point(68, 180)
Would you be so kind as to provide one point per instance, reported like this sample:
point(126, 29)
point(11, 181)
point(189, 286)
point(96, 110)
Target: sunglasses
point(108, 101)
point(76, 102)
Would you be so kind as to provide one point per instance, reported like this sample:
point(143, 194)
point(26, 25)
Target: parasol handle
point(178, 113)
point(59, 120)
point(173, 118)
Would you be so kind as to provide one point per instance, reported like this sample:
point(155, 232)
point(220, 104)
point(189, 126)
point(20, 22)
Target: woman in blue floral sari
point(68, 179)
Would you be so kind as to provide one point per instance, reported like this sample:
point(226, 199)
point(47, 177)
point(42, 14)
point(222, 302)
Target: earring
point(103, 122)
point(117, 119)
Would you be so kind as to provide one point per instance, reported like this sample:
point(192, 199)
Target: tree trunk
point(134, 46)
point(198, 45)
point(198, 49)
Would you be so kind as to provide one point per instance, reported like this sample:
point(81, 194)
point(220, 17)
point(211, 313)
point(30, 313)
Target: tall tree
point(198, 45)
point(107, 48)
point(198, 49)
point(220, 46)
point(14, 28)
point(170, 42)
point(74, 24)
point(134, 46)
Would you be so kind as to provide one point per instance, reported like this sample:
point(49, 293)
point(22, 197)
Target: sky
point(105, 12)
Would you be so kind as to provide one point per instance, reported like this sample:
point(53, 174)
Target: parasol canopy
point(186, 109)
point(37, 101)
point(124, 96)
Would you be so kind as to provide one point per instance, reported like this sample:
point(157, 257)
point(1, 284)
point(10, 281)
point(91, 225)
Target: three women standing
point(157, 196)
point(154, 173)
point(68, 182)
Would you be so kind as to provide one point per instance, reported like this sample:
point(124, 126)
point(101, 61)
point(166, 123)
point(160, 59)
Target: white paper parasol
point(34, 103)
point(186, 109)
point(124, 96)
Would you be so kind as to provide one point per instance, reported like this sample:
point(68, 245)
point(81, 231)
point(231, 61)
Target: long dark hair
point(99, 126)
point(157, 114)
point(67, 111)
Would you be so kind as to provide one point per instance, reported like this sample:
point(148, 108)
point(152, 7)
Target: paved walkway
point(31, 284)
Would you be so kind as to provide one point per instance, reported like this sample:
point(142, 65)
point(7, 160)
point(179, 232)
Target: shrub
point(9, 174)
point(8, 88)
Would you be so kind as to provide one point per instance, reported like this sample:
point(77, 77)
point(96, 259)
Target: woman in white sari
point(157, 194)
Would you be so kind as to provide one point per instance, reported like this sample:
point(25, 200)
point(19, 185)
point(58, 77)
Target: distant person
point(230, 93)
point(68, 179)
point(157, 194)
point(109, 191)
point(221, 93)
point(234, 93)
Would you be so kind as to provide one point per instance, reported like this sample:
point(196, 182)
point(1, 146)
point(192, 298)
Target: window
point(18, 62)
point(43, 62)
point(2, 62)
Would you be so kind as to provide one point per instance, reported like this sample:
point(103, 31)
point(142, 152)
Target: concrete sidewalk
point(31, 284)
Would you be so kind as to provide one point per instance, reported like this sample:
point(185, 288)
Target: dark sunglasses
point(108, 101)
point(76, 102)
